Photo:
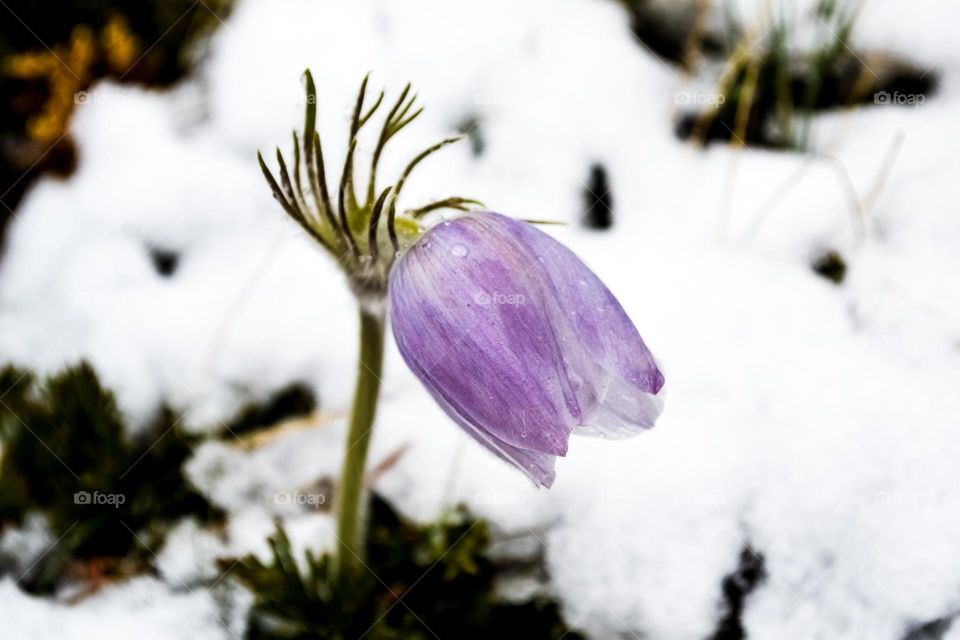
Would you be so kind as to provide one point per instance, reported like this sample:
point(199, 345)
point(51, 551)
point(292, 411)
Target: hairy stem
point(352, 494)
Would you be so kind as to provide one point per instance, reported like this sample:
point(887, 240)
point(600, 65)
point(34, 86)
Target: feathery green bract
point(347, 221)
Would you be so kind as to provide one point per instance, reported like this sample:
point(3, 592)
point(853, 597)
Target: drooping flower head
point(518, 341)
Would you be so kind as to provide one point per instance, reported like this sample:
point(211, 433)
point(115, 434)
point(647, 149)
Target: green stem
point(352, 495)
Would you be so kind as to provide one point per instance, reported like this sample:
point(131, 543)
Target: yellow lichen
point(69, 70)
point(119, 44)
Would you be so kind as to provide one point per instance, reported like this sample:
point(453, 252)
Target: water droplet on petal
point(459, 250)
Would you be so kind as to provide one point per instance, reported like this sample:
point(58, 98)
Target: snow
point(812, 422)
point(142, 608)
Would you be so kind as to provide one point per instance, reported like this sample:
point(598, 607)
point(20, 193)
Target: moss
point(66, 455)
point(425, 581)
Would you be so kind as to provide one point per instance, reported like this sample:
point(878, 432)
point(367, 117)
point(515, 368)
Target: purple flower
point(519, 342)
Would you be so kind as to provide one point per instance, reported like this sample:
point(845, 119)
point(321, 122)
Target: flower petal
point(537, 466)
point(613, 373)
point(496, 363)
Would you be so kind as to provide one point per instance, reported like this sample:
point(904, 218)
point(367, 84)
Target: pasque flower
point(518, 341)
point(363, 230)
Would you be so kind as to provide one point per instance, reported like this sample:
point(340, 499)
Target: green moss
point(66, 455)
point(424, 581)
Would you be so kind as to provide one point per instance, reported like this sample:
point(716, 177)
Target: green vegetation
point(110, 499)
point(770, 78)
point(66, 455)
point(422, 582)
point(770, 91)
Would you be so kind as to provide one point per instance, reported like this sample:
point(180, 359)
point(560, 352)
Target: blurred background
point(768, 186)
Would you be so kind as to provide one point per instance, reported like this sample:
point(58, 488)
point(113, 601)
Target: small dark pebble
point(831, 266)
point(164, 261)
point(737, 587)
point(598, 201)
point(931, 630)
